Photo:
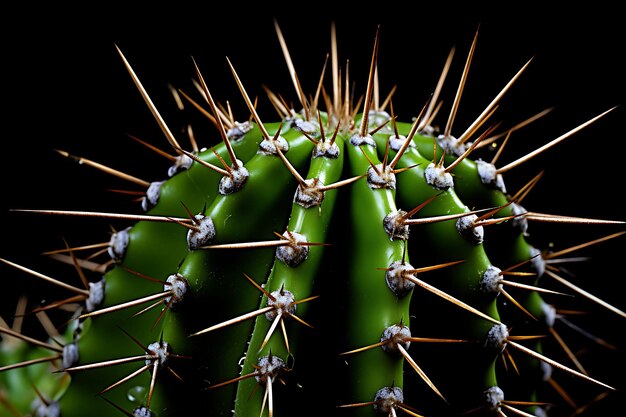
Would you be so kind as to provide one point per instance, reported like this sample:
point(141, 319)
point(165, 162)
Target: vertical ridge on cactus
point(316, 248)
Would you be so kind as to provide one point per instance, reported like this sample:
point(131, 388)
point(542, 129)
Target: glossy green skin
point(369, 297)
point(212, 277)
point(475, 193)
point(312, 222)
point(216, 276)
point(437, 243)
point(363, 308)
point(155, 250)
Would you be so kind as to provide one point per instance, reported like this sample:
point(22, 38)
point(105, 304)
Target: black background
point(66, 88)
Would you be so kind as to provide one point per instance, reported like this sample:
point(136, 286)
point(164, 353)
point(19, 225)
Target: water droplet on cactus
point(137, 395)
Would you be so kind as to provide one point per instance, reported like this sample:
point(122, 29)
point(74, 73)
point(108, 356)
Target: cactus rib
point(338, 256)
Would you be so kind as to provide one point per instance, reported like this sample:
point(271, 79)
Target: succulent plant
point(341, 255)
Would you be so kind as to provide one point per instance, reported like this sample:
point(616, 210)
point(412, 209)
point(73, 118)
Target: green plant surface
point(566, 307)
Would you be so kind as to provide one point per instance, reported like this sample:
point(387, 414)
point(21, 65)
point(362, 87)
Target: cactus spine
point(337, 219)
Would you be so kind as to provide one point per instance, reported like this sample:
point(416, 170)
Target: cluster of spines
point(251, 202)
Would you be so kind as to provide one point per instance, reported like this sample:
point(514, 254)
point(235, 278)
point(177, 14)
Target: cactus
point(345, 257)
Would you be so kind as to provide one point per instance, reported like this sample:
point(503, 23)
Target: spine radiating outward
point(336, 260)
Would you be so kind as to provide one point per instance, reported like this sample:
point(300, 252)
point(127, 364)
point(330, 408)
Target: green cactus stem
point(339, 254)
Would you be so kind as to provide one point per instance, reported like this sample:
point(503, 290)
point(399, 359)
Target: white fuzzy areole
point(178, 285)
point(452, 145)
point(118, 243)
point(268, 147)
point(493, 397)
point(383, 179)
point(70, 355)
point(181, 163)
point(358, 140)
point(293, 254)
point(96, 295)
point(51, 409)
point(269, 366)
point(305, 126)
point(397, 278)
point(398, 335)
point(152, 195)
point(466, 228)
point(496, 337)
point(438, 177)
point(142, 412)
point(549, 313)
point(491, 282)
point(537, 262)
point(397, 142)
point(160, 350)
point(386, 398)
point(283, 303)
point(521, 222)
point(238, 130)
point(203, 234)
point(310, 195)
point(489, 176)
point(395, 226)
point(325, 149)
point(233, 182)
